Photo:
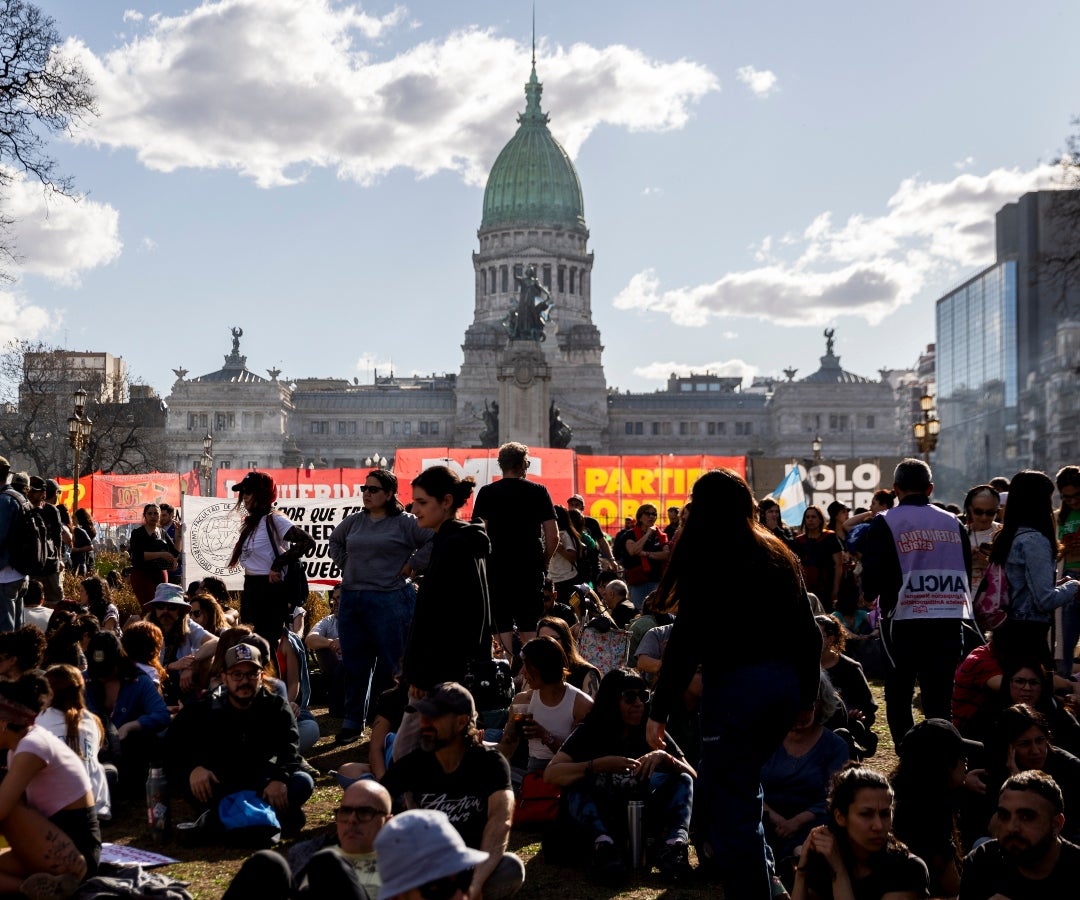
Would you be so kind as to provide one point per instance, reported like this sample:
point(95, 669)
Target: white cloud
point(273, 88)
point(762, 82)
point(966, 163)
point(59, 237)
point(20, 319)
point(867, 267)
point(132, 15)
point(730, 368)
point(148, 244)
point(652, 192)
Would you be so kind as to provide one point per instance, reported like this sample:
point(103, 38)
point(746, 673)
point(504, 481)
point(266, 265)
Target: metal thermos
point(157, 805)
point(635, 826)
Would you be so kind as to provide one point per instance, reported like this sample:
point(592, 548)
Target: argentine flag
point(791, 497)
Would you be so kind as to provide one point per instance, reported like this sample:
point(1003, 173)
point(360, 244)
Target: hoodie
point(451, 626)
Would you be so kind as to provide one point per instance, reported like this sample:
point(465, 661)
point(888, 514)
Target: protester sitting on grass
point(47, 811)
point(607, 761)
point(71, 635)
point(583, 675)
point(207, 612)
point(1028, 681)
point(68, 718)
point(35, 612)
point(142, 641)
point(217, 589)
point(554, 708)
point(187, 643)
point(129, 704)
point(422, 857)
point(292, 664)
point(340, 864)
point(849, 680)
point(796, 778)
point(855, 855)
point(21, 651)
point(96, 594)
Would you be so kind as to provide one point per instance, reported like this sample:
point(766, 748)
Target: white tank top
point(559, 720)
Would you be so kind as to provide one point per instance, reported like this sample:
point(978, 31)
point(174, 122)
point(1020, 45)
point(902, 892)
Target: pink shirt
point(62, 781)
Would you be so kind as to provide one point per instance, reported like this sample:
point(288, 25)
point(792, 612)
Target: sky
point(312, 171)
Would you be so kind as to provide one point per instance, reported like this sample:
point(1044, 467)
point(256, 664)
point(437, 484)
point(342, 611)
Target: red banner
point(552, 468)
point(615, 486)
point(119, 499)
point(300, 484)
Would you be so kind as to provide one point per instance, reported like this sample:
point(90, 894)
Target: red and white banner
point(119, 499)
point(552, 468)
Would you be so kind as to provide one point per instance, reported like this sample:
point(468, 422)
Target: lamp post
point(816, 445)
point(375, 461)
point(79, 428)
point(927, 430)
point(206, 464)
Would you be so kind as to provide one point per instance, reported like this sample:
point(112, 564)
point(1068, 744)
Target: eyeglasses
point(630, 697)
point(1026, 682)
point(252, 675)
point(368, 489)
point(362, 813)
point(195, 613)
point(983, 512)
point(448, 887)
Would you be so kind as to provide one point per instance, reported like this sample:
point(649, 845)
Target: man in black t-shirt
point(1029, 860)
point(520, 520)
point(453, 772)
point(50, 515)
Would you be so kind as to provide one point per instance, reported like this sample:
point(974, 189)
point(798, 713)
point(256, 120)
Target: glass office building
point(977, 379)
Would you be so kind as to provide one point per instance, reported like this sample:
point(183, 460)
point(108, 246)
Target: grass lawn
point(209, 869)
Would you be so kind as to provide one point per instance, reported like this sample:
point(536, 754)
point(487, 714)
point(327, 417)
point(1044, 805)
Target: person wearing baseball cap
point(453, 771)
point(422, 857)
point(241, 736)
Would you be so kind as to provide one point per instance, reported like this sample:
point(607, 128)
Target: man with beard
point(1028, 860)
point(241, 737)
point(453, 772)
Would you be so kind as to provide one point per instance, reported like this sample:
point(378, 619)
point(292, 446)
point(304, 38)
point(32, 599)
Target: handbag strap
point(272, 534)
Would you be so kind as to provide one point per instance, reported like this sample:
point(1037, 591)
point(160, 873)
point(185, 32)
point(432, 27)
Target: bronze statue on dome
point(529, 315)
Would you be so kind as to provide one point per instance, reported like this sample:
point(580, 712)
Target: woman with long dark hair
point(153, 555)
point(856, 855)
point(563, 566)
point(82, 542)
point(451, 627)
point(376, 549)
point(264, 604)
point(822, 557)
point(96, 595)
point(752, 691)
point(583, 674)
point(1027, 547)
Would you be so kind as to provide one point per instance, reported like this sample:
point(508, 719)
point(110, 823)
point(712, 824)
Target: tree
point(36, 387)
point(42, 92)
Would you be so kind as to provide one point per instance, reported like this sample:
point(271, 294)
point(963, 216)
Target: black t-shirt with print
point(462, 794)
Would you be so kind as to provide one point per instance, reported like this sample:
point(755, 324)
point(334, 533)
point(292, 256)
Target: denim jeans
point(638, 592)
point(745, 714)
point(11, 605)
point(668, 804)
point(1070, 634)
point(372, 629)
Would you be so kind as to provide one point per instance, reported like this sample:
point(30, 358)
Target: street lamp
point(927, 430)
point(815, 445)
point(79, 428)
point(375, 461)
point(206, 464)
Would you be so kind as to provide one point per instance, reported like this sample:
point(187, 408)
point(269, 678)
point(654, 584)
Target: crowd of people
point(523, 669)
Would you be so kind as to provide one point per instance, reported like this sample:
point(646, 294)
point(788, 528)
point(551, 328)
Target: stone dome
point(533, 181)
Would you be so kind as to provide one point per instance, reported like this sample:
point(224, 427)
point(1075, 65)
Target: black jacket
point(243, 748)
point(452, 622)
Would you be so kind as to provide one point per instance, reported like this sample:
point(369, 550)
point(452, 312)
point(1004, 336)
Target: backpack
point(992, 599)
point(28, 541)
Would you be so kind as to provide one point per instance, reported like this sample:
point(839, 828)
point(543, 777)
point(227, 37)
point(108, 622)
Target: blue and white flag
point(791, 497)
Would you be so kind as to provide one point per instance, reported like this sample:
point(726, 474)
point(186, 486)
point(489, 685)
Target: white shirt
point(257, 556)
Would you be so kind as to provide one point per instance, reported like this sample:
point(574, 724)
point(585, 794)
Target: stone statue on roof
point(829, 334)
point(529, 315)
point(237, 333)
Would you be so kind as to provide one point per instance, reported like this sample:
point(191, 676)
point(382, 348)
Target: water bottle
point(635, 826)
point(157, 805)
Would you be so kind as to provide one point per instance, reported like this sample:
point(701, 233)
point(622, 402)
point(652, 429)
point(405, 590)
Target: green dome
point(533, 181)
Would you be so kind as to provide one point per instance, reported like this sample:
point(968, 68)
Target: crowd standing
point(526, 670)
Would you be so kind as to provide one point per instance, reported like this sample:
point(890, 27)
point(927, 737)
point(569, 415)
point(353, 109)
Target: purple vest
point(929, 545)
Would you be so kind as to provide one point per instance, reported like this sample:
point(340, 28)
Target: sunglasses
point(983, 512)
point(362, 813)
point(448, 887)
point(368, 489)
point(252, 675)
point(630, 697)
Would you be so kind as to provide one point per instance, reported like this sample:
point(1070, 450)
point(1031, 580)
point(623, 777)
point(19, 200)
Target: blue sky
point(753, 173)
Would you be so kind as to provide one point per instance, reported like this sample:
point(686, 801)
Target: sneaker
point(609, 866)
point(673, 861)
point(43, 886)
point(347, 735)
